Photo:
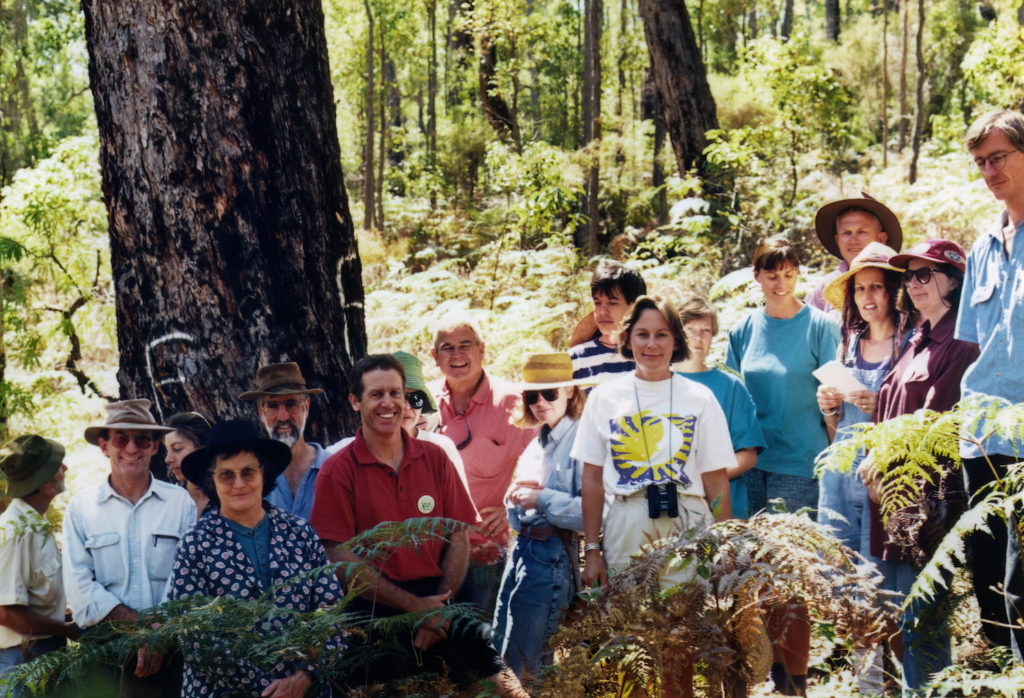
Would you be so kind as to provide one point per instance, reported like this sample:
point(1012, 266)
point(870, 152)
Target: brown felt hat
point(278, 379)
point(825, 221)
point(127, 415)
point(28, 462)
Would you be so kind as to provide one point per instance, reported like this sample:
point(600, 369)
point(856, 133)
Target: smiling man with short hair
point(120, 538)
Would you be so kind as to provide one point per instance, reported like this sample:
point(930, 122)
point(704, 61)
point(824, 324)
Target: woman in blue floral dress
point(240, 549)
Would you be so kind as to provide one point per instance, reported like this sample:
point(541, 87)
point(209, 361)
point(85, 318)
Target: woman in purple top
point(926, 376)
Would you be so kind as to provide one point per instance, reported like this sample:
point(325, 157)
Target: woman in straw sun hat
point(542, 573)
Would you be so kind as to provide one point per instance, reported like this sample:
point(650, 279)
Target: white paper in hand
point(835, 375)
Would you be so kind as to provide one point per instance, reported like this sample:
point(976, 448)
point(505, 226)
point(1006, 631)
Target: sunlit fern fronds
point(377, 543)
point(1001, 676)
point(716, 621)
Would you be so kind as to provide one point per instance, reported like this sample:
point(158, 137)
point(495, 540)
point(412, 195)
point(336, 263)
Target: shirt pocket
point(107, 564)
point(46, 580)
point(163, 546)
point(984, 307)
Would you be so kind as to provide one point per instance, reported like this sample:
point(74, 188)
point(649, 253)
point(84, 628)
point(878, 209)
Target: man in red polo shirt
point(385, 475)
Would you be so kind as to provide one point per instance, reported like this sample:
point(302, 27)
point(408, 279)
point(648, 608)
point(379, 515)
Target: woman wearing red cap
point(927, 376)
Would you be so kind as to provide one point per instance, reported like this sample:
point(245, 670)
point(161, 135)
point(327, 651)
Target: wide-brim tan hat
point(126, 415)
point(875, 255)
point(278, 379)
point(825, 222)
point(542, 371)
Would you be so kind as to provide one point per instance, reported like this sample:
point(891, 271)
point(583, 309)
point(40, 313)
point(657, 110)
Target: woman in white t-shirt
point(658, 443)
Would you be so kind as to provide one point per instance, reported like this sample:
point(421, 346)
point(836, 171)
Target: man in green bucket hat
point(32, 603)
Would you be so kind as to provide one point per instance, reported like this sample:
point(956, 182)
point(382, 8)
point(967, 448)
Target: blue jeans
point(797, 491)
point(844, 495)
point(13, 656)
point(536, 590)
point(926, 649)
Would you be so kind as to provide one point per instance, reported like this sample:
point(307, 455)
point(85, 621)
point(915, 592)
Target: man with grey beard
point(282, 402)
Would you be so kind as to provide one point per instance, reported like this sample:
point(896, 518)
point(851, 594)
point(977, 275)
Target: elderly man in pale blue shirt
point(992, 315)
point(282, 400)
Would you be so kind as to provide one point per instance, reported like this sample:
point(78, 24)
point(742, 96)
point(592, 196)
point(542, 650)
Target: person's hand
point(433, 628)
point(294, 686)
point(495, 521)
point(525, 495)
point(829, 399)
point(122, 612)
point(871, 478)
point(71, 630)
point(147, 662)
point(594, 569)
point(864, 400)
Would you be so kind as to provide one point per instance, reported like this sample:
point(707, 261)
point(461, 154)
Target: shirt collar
point(553, 436)
point(941, 333)
point(411, 448)
point(479, 396)
point(106, 490)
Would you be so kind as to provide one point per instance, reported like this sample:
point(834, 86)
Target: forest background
point(468, 140)
point(492, 149)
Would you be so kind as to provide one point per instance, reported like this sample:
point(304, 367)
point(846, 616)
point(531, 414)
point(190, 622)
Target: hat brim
point(555, 384)
point(43, 475)
point(825, 223)
point(274, 455)
point(92, 434)
point(835, 291)
point(903, 261)
point(254, 395)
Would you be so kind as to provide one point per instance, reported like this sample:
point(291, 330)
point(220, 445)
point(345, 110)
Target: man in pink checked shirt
point(474, 411)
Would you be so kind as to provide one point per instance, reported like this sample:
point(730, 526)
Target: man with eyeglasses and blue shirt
point(282, 402)
point(992, 315)
point(120, 538)
point(475, 408)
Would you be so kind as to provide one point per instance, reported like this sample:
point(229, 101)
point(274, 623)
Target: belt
point(542, 533)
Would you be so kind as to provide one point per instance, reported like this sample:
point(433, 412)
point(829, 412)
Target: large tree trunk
point(231, 240)
point(679, 75)
point(499, 114)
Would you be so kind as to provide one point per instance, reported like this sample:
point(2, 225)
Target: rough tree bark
point(231, 240)
point(369, 176)
point(786, 28)
point(687, 106)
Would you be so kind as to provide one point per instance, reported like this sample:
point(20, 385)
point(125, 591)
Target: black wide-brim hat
point(236, 435)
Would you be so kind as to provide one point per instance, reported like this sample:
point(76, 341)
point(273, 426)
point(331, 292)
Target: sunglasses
point(530, 397)
point(416, 399)
point(922, 275)
point(141, 439)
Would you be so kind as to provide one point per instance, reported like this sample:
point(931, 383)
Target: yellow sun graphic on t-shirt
point(637, 448)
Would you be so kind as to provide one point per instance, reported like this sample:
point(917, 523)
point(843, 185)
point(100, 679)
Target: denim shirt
point(992, 316)
point(559, 503)
point(301, 503)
